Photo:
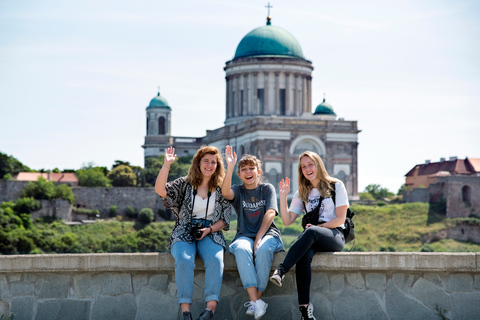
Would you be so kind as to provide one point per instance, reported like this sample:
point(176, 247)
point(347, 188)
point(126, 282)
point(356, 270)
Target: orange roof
point(474, 163)
point(57, 177)
point(455, 167)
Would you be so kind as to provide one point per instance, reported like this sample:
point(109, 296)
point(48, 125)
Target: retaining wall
point(142, 286)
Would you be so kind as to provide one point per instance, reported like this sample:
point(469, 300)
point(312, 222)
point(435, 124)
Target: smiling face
point(208, 165)
point(249, 174)
point(309, 170)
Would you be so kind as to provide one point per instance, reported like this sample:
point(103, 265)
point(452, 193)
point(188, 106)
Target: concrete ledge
point(344, 261)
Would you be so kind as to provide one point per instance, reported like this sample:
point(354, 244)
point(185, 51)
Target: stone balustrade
point(346, 285)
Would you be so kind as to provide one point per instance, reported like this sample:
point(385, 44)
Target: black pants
point(312, 240)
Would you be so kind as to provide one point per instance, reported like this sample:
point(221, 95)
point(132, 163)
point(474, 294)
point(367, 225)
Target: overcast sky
point(76, 76)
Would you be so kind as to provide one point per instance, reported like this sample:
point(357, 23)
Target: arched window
point(466, 194)
point(305, 145)
point(272, 177)
point(161, 125)
point(342, 176)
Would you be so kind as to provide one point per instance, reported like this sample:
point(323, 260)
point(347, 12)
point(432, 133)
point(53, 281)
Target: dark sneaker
point(277, 277)
point(187, 316)
point(206, 315)
point(307, 312)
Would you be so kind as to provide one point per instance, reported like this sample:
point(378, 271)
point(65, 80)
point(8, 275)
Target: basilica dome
point(158, 102)
point(269, 41)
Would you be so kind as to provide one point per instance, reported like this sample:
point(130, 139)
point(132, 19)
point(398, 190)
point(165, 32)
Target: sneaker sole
point(275, 281)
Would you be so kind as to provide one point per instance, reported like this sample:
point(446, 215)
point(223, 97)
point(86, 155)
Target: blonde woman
point(315, 188)
point(201, 214)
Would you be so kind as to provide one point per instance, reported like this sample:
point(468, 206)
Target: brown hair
point(249, 160)
point(305, 186)
point(195, 176)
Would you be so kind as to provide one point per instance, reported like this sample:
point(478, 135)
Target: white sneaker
point(250, 308)
point(260, 308)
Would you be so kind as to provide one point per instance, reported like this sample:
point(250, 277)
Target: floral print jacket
point(180, 198)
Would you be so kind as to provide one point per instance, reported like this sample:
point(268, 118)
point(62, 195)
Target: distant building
point(453, 182)
point(268, 113)
point(66, 178)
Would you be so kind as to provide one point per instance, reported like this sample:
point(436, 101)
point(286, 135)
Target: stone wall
point(456, 206)
point(103, 198)
point(141, 286)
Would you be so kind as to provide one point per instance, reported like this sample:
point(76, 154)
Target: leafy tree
point(365, 196)
point(178, 169)
point(113, 211)
point(43, 189)
point(10, 165)
point(123, 176)
point(378, 192)
point(92, 176)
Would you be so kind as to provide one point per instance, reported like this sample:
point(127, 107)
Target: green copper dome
point(324, 108)
point(269, 41)
point(158, 102)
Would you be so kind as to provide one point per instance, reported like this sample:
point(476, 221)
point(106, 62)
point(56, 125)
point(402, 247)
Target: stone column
point(266, 93)
point(237, 95)
point(296, 104)
point(254, 93)
point(245, 106)
point(309, 94)
point(288, 106)
point(277, 94)
point(304, 94)
point(227, 97)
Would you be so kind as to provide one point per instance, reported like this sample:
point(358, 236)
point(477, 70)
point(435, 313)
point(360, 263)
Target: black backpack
point(349, 231)
point(312, 218)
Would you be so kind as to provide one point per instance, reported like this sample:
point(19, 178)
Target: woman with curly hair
point(201, 214)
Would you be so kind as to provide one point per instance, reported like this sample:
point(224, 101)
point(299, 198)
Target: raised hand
point(284, 187)
point(230, 156)
point(170, 155)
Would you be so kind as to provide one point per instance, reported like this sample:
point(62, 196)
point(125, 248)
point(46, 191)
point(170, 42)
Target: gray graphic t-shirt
point(250, 206)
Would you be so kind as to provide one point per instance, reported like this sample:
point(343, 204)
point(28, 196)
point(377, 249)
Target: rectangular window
point(260, 101)
point(282, 105)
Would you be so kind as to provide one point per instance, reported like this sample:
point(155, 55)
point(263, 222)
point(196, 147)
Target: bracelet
point(211, 230)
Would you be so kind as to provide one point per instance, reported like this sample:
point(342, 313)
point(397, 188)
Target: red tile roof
point(455, 167)
point(57, 177)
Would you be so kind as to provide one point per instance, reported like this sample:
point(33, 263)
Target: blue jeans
point(255, 271)
point(212, 257)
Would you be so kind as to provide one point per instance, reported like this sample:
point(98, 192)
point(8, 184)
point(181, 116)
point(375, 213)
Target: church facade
point(268, 113)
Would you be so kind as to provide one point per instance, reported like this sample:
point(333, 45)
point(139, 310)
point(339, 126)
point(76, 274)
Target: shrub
point(92, 177)
point(131, 212)
point(43, 189)
point(113, 211)
point(62, 191)
point(146, 216)
point(27, 205)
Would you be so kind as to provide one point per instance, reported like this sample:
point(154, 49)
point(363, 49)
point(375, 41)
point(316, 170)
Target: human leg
point(184, 255)
point(212, 257)
point(264, 258)
point(242, 248)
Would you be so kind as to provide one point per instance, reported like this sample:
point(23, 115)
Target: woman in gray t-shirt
point(257, 238)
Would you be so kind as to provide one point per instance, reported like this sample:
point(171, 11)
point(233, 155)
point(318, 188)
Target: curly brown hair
point(195, 176)
point(305, 186)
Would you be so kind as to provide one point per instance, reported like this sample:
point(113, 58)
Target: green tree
point(27, 205)
point(123, 176)
point(178, 169)
point(92, 176)
point(378, 192)
point(10, 165)
point(43, 189)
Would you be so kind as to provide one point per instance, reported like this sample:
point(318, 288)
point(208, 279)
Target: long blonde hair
point(305, 186)
point(195, 176)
